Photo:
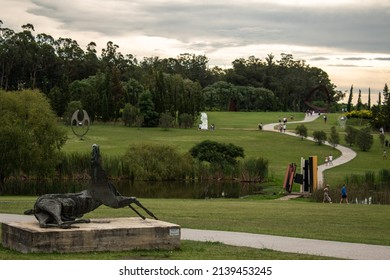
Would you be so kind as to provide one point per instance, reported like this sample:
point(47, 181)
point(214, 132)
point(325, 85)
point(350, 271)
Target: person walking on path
point(344, 196)
point(330, 160)
point(326, 195)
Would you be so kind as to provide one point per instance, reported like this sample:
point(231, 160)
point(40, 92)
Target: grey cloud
point(224, 24)
point(355, 58)
point(347, 65)
point(319, 58)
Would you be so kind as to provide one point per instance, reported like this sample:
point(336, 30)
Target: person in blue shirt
point(344, 196)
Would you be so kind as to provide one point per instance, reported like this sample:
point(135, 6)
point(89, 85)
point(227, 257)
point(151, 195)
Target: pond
point(188, 189)
point(196, 190)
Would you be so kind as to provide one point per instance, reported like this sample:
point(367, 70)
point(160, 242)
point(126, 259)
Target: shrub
point(364, 139)
point(156, 162)
point(334, 138)
point(186, 120)
point(217, 153)
point(30, 138)
point(362, 114)
point(301, 130)
point(166, 121)
point(254, 169)
point(319, 136)
point(350, 136)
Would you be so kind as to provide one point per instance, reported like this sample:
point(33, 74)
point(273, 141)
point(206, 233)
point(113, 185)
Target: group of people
point(344, 196)
point(282, 125)
point(329, 160)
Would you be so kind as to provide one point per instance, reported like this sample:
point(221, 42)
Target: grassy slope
point(232, 127)
point(352, 223)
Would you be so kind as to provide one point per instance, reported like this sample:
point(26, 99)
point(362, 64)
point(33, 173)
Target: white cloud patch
point(225, 24)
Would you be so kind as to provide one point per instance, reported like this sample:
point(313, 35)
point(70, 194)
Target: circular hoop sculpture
point(80, 127)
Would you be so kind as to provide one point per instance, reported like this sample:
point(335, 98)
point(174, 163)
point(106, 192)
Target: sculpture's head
point(95, 154)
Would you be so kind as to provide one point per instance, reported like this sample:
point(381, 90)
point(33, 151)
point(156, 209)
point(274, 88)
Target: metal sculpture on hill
point(64, 210)
point(80, 127)
point(313, 94)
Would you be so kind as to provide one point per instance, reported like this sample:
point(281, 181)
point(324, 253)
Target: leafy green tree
point(350, 136)
point(117, 91)
point(105, 109)
point(133, 89)
point(364, 139)
point(146, 107)
point(301, 130)
point(386, 107)
point(129, 114)
point(217, 153)
point(334, 138)
point(70, 109)
point(30, 137)
point(166, 121)
point(59, 100)
point(186, 120)
point(319, 136)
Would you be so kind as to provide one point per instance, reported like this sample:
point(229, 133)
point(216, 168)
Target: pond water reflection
point(196, 190)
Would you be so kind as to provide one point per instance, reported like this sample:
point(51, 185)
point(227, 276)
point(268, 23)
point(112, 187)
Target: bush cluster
point(362, 114)
point(141, 162)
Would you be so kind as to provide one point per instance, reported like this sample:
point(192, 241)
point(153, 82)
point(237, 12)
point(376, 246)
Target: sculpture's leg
point(43, 219)
point(145, 209)
point(123, 201)
point(68, 224)
point(50, 212)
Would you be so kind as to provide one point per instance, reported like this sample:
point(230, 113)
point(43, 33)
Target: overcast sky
point(349, 39)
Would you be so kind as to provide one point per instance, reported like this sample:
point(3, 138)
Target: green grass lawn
point(351, 223)
point(239, 128)
point(232, 127)
point(338, 222)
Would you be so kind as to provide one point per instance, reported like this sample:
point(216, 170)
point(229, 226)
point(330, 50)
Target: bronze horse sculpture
point(64, 210)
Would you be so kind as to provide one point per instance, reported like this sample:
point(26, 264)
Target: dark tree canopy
point(104, 81)
point(217, 153)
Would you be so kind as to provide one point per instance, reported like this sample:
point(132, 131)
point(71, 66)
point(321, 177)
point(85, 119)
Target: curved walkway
point(332, 249)
point(347, 154)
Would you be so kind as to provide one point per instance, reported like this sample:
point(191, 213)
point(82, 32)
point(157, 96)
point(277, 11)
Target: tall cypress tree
point(386, 106)
point(359, 104)
point(369, 99)
point(349, 104)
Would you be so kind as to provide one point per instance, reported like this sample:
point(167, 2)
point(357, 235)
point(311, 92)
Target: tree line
point(107, 82)
point(378, 114)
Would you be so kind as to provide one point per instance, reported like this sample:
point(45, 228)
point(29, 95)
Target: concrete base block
point(116, 234)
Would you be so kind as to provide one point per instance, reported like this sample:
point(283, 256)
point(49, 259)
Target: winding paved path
point(347, 154)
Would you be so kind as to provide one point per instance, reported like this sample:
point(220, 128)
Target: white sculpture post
point(204, 122)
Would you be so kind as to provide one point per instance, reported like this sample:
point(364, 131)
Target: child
point(326, 195)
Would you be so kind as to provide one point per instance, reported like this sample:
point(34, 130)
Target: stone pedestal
point(116, 234)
